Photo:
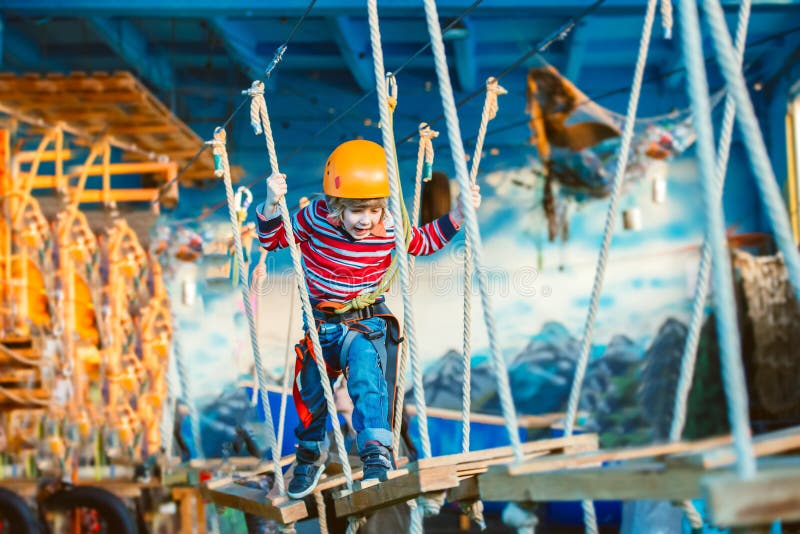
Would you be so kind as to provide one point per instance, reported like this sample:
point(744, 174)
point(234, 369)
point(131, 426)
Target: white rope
point(417, 520)
point(471, 223)
point(424, 164)
point(319, 501)
point(355, 523)
point(611, 217)
point(490, 108)
point(424, 158)
point(186, 388)
point(221, 165)
point(689, 357)
point(666, 18)
point(701, 285)
point(395, 201)
point(727, 328)
point(288, 367)
point(300, 278)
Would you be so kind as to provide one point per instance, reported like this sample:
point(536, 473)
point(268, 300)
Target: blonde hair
point(337, 205)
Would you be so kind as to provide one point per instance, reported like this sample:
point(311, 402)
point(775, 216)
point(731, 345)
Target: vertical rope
point(689, 357)
point(471, 223)
point(611, 217)
point(168, 410)
point(732, 372)
point(424, 160)
point(701, 286)
point(666, 18)
point(395, 201)
point(490, 108)
point(256, 91)
point(221, 164)
point(186, 388)
point(754, 142)
point(288, 366)
point(319, 501)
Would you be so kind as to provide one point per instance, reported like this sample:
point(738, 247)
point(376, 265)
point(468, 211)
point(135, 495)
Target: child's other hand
point(276, 189)
point(458, 214)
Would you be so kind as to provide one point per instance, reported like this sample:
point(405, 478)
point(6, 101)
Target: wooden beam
point(257, 502)
point(629, 482)
point(763, 445)
point(405, 484)
point(352, 38)
point(773, 494)
point(464, 55)
point(124, 38)
point(583, 459)
point(523, 421)
point(119, 195)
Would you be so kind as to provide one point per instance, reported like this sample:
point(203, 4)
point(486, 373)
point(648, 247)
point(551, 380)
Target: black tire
point(19, 517)
point(110, 507)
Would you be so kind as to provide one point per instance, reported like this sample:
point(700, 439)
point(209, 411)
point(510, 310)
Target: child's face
point(359, 221)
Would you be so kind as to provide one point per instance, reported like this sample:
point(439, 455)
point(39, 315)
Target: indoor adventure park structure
point(118, 218)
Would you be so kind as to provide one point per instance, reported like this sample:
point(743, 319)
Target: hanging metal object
point(657, 172)
point(632, 218)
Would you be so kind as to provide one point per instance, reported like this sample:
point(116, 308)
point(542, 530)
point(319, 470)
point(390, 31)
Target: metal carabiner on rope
point(391, 83)
point(241, 201)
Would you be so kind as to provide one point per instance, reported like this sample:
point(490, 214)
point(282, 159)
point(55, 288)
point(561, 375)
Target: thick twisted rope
point(168, 410)
point(424, 164)
point(732, 372)
point(689, 357)
point(490, 108)
point(186, 388)
point(754, 142)
point(395, 202)
point(471, 223)
point(701, 286)
point(319, 501)
point(300, 278)
point(424, 167)
point(287, 370)
point(666, 18)
point(222, 167)
point(608, 231)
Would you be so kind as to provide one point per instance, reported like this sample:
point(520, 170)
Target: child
point(346, 241)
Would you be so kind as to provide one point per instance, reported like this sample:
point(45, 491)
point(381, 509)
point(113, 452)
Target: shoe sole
point(310, 489)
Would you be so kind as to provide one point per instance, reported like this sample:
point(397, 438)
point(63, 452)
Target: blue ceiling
point(197, 55)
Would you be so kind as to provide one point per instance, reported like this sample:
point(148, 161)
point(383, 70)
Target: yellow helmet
point(356, 169)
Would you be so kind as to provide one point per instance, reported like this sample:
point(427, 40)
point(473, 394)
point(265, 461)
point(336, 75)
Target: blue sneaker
point(376, 461)
point(308, 468)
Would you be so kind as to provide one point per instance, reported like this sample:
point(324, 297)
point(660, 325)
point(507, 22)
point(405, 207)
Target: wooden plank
point(773, 494)
point(763, 445)
point(583, 459)
point(16, 376)
point(467, 490)
point(487, 457)
point(257, 502)
point(645, 481)
point(523, 421)
point(119, 195)
point(408, 485)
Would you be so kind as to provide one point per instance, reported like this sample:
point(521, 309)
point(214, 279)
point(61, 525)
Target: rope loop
point(257, 105)
point(474, 510)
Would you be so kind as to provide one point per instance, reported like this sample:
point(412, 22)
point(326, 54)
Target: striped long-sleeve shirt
point(338, 267)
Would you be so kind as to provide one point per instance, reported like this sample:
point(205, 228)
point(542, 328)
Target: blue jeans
point(365, 383)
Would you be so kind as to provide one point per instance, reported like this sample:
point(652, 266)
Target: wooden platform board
point(671, 471)
point(115, 104)
point(773, 494)
point(255, 501)
point(403, 484)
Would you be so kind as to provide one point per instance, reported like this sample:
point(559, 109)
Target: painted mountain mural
point(627, 393)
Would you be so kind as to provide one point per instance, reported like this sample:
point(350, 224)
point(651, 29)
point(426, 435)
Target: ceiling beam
point(294, 8)
point(352, 38)
point(241, 44)
point(464, 54)
point(129, 43)
point(24, 52)
point(576, 52)
point(772, 63)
